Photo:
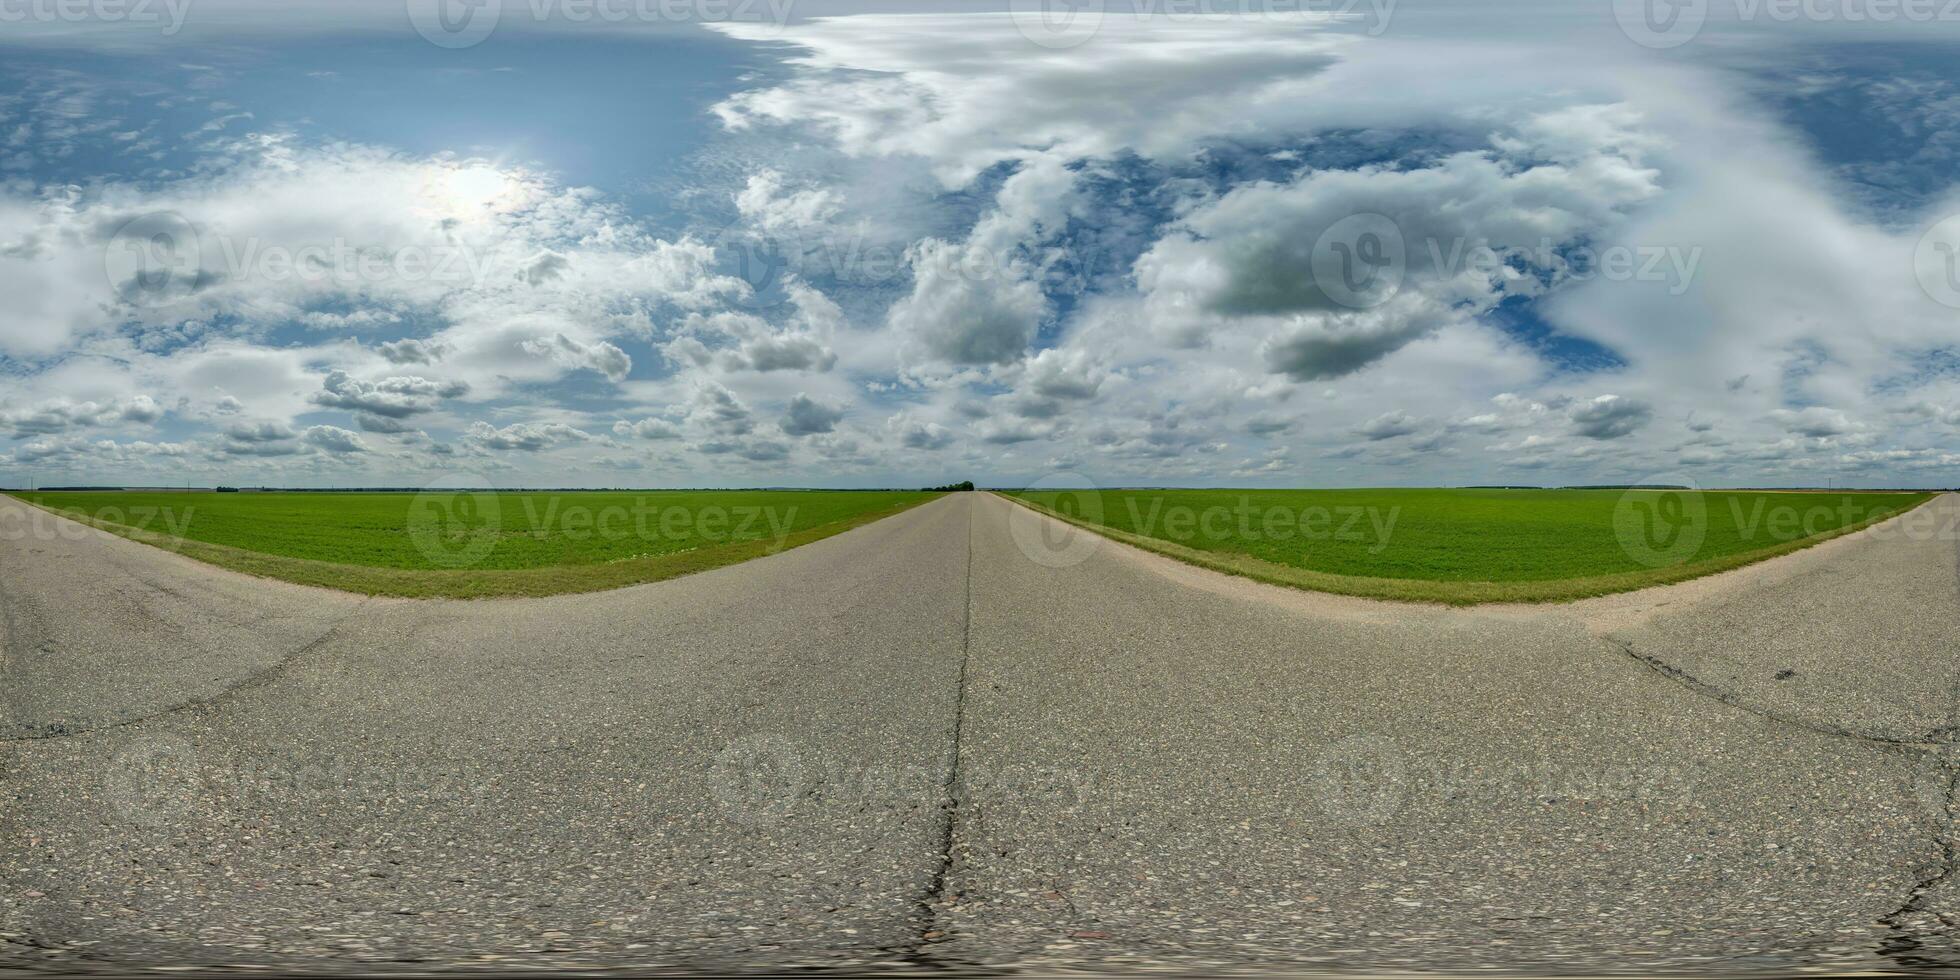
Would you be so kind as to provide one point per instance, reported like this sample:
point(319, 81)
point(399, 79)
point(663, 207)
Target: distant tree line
point(952, 487)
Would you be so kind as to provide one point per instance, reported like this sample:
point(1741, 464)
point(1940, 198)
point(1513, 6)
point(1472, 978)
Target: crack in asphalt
point(1941, 736)
point(932, 904)
point(58, 730)
point(1905, 946)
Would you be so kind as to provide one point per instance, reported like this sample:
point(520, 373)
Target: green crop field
point(470, 545)
point(1471, 546)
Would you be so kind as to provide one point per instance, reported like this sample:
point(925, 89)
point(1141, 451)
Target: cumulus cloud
point(530, 437)
point(717, 410)
point(1815, 422)
point(1610, 417)
point(916, 434)
point(753, 449)
point(963, 317)
point(393, 397)
point(768, 202)
point(739, 341)
point(651, 428)
point(381, 424)
point(1387, 426)
point(411, 351)
point(1134, 281)
point(1071, 375)
point(259, 432)
point(1340, 268)
point(951, 88)
point(62, 416)
point(334, 439)
point(807, 416)
point(546, 266)
point(600, 356)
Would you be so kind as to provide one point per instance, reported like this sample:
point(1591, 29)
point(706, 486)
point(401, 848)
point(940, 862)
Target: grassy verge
point(483, 583)
point(1456, 593)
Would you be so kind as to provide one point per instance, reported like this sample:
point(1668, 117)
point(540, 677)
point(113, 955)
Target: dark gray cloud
point(807, 416)
point(1610, 417)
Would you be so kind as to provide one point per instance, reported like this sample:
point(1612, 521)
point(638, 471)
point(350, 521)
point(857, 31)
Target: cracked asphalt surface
point(971, 737)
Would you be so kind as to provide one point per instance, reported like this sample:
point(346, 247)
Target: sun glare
point(474, 189)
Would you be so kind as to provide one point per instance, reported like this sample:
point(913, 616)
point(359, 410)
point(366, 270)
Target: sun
point(474, 189)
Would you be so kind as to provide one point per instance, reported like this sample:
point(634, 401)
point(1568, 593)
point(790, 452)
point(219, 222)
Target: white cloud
point(412, 351)
point(1784, 339)
point(1815, 422)
point(394, 397)
point(1341, 268)
point(766, 202)
point(955, 88)
point(600, 356)
point(62, 415)
point(334, 439)
point(655, 429)
point(530, 437)
point(916, 434)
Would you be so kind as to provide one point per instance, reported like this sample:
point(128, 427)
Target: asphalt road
point(970, 736)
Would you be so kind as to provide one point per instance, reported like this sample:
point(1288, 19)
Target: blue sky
point(891, 243)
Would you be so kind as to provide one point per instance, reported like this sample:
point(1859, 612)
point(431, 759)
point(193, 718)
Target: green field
point(469, 545)
point(1471, 546)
